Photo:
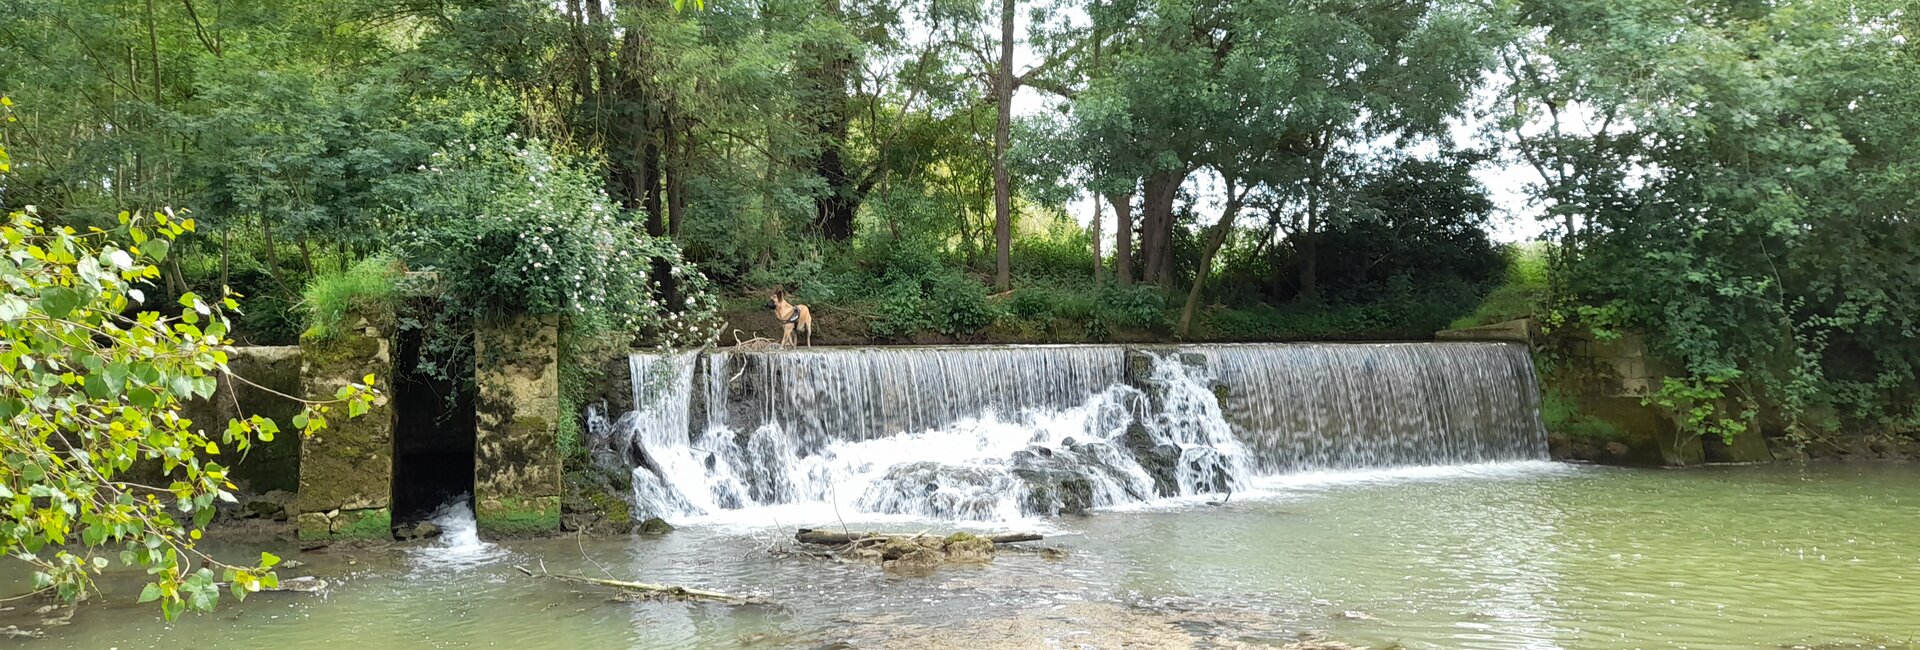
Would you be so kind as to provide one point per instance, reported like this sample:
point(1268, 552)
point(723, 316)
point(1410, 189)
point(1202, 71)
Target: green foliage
point(509, 228)
point(1763, 235)
point(91, 383)
point(1523, 291)
point(902, 311)
point(1562, 416)
point(1701, 403)
point(958, 306)
point(366, 287)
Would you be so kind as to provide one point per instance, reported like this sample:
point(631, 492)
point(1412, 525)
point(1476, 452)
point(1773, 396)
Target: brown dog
point(791, 317)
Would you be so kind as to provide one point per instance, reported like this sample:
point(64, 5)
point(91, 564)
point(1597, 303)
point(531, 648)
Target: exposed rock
point(655, 526)
point(272, 505)
point(965, 547)
point(595, 503)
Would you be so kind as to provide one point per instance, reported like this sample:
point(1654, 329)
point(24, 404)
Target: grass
point(329, 298)
point(1520, 295)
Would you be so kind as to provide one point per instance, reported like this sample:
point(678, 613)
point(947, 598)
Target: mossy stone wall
point(346, 469)
point(270, 373)
point(517, 464)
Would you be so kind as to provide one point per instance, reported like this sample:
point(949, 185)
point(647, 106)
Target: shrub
point(959, 305)
point(901, 312)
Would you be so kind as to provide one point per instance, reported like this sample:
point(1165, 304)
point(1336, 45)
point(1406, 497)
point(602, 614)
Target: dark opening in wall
point(433, 438)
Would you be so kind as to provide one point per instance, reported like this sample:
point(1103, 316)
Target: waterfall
point(995, 433)
point(1306, 407)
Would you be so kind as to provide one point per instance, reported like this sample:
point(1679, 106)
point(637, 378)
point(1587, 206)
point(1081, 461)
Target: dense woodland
point(1735, 178)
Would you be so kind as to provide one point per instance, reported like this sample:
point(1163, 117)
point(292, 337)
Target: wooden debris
point(829, 538)
point(662, 591)
point(916, 551)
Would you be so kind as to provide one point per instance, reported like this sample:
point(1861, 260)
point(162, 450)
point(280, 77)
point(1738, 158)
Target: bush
point(959, 305)
point(330, 297)
point(1139, 306)
point(1033, 303)
point(901, 312)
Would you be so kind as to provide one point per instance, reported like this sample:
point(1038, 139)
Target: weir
point(994, 433)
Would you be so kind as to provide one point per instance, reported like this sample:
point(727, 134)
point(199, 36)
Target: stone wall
point(517, 464)
point(346, 469)
point(1594, 402)
point(267, 465)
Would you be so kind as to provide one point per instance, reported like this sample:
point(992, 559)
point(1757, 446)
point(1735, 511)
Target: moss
point(1565, 417)
point(374, 523)
point(655, 526)
point(313, 526)
point(613, 510)
point(961, 536)
point(367, 524)
point(517, 516)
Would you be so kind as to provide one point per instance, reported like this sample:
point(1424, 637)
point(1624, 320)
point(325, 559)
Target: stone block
point(349, 464)
point(266, 465)
point(518, 516)
point(517, 464)
point(1517, 331)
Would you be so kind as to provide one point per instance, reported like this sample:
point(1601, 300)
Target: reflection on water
point(1523, 555)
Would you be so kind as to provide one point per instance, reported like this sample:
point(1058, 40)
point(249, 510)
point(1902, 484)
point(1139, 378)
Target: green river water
point(1520, 555)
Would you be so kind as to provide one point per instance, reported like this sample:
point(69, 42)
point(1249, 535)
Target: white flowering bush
point(512, 228)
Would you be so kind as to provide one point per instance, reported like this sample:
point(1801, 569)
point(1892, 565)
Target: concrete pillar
point(346, 469)
point(517, 469)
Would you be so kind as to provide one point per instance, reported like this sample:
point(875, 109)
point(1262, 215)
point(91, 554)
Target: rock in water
point(655, 526)
point(965, 547)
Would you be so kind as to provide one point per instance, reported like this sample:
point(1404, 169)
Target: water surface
point(1511, 555)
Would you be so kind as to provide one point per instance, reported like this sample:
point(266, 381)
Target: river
point(1504, 555)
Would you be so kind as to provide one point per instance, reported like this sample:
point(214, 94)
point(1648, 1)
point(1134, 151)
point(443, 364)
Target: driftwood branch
point(829, 538)
point(666, 591)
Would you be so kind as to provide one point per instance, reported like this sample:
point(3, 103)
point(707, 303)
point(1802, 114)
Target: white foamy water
point(1011, 434)
point(459, 545)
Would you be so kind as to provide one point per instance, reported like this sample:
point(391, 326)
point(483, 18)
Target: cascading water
point(1324, 406)
point(997, 433)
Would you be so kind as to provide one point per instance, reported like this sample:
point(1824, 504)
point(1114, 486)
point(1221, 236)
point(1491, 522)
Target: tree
point(1735, 179)
point(89, 393)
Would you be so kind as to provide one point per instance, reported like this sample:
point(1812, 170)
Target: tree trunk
point(680, 143)
point(1216, 237)
point(1122, 238)
point(650, 175)
point(827, 69)
point(226, 258)
point(273, 256)
point(1002, 139)
point(1099, 261)
point(829, 538)
point(1157, 224)
point(1308, 248)
point(670, 591)
point(306, 256)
